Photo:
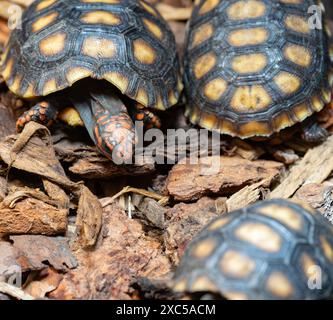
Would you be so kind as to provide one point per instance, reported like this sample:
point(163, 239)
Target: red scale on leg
point(43, 113)
point(148, 118)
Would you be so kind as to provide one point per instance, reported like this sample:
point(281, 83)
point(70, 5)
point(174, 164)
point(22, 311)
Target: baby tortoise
point(255, 67)
point(125, 43)
point(274, 249)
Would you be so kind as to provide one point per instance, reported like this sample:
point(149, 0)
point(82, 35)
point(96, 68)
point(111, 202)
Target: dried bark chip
point(7, 122)
point(12, 261)
point(186, 220)
point(89, 218)
point(46, 281)
point(43, 251)
point(91, 169)
point(188, 182)
point(319, 196)
point(122, 254)
point(32, 151)
point(315, 167)
point(32, 216)
point(87, 163)
point(3, 188)
point(57, 194)
point(244, 197)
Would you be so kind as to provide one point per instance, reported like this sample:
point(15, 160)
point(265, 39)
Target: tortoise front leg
point(43, 112)
point(312, 132)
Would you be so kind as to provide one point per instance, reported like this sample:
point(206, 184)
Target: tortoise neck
point(94, 99)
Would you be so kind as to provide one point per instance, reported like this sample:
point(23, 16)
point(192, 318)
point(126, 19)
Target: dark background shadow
point(329, 8)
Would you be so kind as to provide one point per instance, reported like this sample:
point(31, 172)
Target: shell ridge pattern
point(123, 42)
point(253, 66)
point(264, 252)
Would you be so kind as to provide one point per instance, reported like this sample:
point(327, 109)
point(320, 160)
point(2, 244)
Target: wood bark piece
point(185, 220)
point(12, 260)
point(123, 253)
point(87, 163)
point(92, 169)
point(42, 250)
point(319, 196)
point(315, 167)
point(14, 292)
point(246, 150)
point(57, 194)
point(284, 155)
point(46, 281)
point(16, 194)
point(89, 218)
point(7, 122)
point(244, 197)
point(188, 182)
point(32, 151)
point(32, 216)
point(3, 188)
point(149, 210)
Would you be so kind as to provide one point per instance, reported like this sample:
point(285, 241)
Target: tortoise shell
point(254, 67)
point(124, 42)
point(274, 249)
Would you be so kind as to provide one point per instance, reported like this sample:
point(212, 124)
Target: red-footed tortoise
point(255, 67)
point(274, 249)
point(121, 52)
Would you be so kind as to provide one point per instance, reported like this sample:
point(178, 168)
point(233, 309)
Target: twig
point(162, 200)
point(14, 291)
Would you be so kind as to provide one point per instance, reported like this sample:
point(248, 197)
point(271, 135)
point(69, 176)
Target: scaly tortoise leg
point(149, 119)
point(43, 112)
point(312, 132)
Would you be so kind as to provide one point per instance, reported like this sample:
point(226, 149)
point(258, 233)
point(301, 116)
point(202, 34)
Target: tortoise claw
point(314, 133)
